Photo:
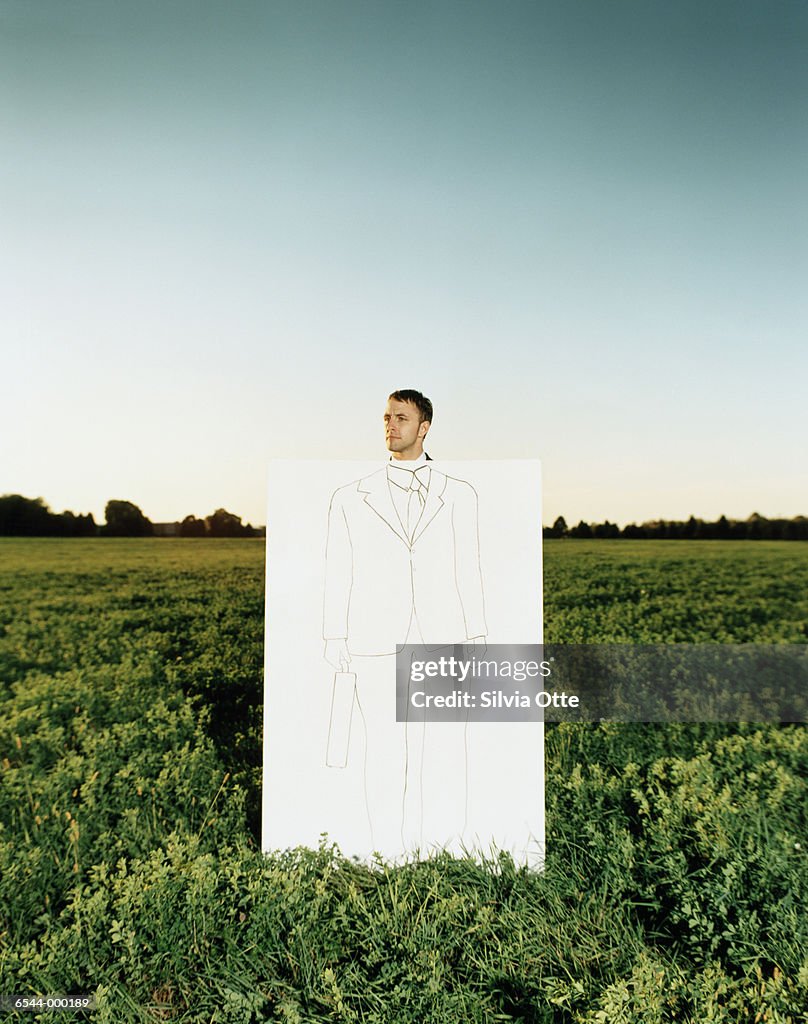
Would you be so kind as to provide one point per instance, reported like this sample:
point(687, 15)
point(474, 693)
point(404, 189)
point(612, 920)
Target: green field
point(130, 681)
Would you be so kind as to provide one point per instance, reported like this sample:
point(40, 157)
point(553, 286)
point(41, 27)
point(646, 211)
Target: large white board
point(345, 568)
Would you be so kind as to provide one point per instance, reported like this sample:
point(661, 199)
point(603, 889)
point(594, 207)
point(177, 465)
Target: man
point(407, 420)
point(402, 566)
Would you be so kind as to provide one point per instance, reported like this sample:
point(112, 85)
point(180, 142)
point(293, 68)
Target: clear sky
point(228, 230)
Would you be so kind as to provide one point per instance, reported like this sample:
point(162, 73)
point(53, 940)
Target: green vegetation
point(656, 592)
point(130, 681)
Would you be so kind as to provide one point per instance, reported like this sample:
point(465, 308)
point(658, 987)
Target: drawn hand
point(336, 654)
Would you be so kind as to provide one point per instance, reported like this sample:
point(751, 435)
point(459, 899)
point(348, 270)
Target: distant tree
point(756, 527)
point(192, 527)
point(224, 524)
point(88, 526)
point(722, 530)
point(25, 517)
point(560, 528)
point(691, 528)
point(67, 524)
point(77, 526)
point(125, 520)
point(583, 529)
point(606, 530)
point(657, 529)
point(796, 529)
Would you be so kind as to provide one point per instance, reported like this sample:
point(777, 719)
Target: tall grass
point(130, 681)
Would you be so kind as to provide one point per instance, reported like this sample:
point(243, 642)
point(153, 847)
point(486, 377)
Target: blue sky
point(230, 230)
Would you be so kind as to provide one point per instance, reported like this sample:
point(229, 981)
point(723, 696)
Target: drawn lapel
point(375, 491)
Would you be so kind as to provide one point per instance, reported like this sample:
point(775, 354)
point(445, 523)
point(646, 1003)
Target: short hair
point(421, 402)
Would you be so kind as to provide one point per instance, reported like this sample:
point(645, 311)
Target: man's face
point(404, 429)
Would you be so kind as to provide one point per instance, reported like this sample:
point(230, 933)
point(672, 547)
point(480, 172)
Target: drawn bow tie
point(410, 479)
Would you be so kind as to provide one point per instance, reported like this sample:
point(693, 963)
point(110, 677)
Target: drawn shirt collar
point(401, 474)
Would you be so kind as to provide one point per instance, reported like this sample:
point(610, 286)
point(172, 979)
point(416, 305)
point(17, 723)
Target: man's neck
point(397, 460)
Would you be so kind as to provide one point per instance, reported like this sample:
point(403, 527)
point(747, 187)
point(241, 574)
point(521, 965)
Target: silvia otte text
point(493, 699)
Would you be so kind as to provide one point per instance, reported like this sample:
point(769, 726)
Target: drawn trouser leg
point(382, 752)
point(436, 777)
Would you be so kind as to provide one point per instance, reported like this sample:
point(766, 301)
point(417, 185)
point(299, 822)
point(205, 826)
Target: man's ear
point(423, 429)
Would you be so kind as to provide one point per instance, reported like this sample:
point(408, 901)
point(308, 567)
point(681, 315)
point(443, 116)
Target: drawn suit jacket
point(377, 579)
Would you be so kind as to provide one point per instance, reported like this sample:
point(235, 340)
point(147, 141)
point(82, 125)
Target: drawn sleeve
point(467, 563)
point(338, 572)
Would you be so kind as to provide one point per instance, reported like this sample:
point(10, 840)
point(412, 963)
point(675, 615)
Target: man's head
point(407, 420)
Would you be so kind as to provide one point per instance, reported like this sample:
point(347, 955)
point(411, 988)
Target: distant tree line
point(31, 517)
point(756, 527)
